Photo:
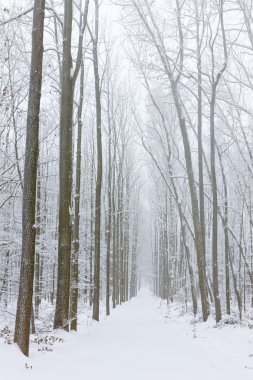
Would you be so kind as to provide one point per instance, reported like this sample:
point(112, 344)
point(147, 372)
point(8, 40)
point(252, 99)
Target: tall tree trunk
point(126, 240)
point(75, 258)
point(114, 259)
point(61, 319)
point(121, 247)
point(91, 228)
point(99, 170)
point(68, 76)
point(108, 229)
point(133, 279)
point(200, 144)
point(117, 273)
point(24, 306)
point(215, 211)
point(37, 282)
point(225, 227)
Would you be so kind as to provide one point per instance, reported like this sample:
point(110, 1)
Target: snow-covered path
point(137, 343)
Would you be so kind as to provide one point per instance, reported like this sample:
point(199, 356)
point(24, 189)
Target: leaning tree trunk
point(195, 208)
point(24, 306)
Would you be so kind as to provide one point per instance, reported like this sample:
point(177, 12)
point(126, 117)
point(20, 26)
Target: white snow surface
point(139, 341)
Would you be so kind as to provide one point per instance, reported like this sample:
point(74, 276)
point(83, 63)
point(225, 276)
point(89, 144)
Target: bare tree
point(94, 37)
point(69, 77)
point(24, 305)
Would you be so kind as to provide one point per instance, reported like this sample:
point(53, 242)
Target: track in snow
point(135, 343)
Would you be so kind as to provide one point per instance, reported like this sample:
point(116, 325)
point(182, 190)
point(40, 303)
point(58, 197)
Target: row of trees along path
point(120, 175)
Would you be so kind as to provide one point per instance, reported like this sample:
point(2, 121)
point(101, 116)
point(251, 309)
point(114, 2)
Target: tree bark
point(61, 319)
point(109, 223)
point(24, 306)
point(96, 299)
point(75, 258)
point(215, 211)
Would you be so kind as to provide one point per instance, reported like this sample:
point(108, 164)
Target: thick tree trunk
point(37, 282)
point(61, 319)
point(24, 306)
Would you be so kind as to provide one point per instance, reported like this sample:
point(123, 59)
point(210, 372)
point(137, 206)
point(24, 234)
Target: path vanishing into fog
point(137, 342)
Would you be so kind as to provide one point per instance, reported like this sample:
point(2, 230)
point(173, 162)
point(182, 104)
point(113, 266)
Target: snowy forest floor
point(141, 340)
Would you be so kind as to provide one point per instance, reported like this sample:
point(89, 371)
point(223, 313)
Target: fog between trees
point(125, 157)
